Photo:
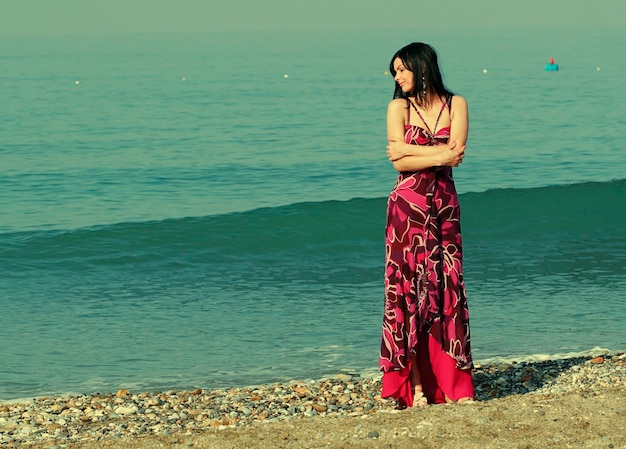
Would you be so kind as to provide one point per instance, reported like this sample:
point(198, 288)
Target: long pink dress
point(426, 319)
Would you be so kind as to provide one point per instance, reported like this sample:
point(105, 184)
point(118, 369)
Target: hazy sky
point(114, 16)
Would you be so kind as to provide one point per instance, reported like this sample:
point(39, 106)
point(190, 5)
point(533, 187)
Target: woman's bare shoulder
point(458, 100)
point(458, 107)
point(397, 105)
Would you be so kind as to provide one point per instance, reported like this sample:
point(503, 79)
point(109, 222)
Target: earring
point(423, 88)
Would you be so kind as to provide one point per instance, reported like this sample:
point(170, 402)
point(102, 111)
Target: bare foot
point(419, 400)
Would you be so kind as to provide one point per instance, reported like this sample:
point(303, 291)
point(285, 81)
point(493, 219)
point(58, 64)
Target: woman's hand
point(409, 157)
point(454, 155)
point(396, 149)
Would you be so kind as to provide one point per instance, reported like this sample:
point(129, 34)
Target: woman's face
point(404, 77)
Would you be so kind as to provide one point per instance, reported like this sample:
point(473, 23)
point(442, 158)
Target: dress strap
point(443, 106)
point(408, 118)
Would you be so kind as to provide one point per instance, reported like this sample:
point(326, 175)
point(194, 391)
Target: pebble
point(63, 421)
point(126, 410)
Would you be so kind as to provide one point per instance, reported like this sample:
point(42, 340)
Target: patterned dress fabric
point(424, 289)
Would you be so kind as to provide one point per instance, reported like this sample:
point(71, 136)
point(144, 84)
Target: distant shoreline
point(371, 373)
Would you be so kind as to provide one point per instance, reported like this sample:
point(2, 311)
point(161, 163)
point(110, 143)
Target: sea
point(207, 210)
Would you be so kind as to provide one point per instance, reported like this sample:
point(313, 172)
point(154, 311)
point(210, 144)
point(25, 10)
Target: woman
point(425, 352)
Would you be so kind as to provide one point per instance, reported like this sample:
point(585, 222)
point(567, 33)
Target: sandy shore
point(567, 403)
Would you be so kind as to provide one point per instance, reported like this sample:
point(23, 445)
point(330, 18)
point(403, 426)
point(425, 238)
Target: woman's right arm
point(409, 157)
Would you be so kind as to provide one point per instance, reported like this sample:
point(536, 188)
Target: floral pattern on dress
point(424, 287)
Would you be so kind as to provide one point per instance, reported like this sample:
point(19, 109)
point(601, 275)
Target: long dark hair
point(421, 59)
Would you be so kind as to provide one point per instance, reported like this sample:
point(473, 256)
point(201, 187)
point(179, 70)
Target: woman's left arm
point(459, 121)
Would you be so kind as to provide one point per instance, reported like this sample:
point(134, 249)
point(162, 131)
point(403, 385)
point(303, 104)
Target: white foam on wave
point(32, 399)
point(370, 373)
point(373, 373)
point(529, 358)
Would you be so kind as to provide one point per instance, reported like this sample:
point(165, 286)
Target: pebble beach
point(516, 400)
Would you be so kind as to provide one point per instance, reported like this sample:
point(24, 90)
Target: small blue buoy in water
point(551, 66)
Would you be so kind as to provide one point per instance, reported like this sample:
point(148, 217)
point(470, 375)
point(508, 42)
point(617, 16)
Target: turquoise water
point(185, 211)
